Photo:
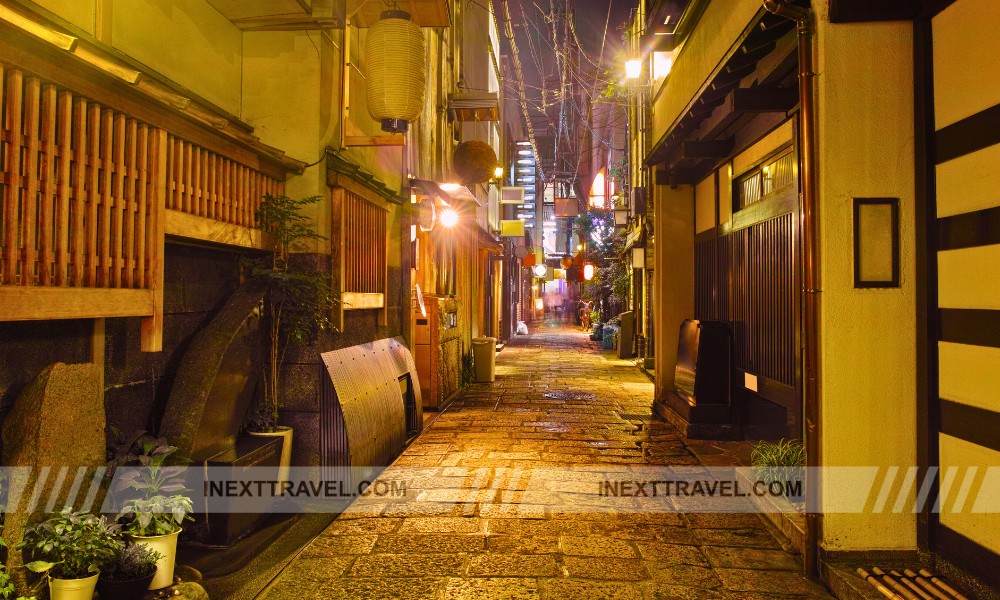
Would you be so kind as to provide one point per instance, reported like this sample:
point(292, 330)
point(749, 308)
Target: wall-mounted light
point(448, 217)
point(539, 270)
point(621, 216)
point(498, 173)
point(589, 270)
point(633, 68)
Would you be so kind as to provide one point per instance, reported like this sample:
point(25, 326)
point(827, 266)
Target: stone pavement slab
point(503, 500)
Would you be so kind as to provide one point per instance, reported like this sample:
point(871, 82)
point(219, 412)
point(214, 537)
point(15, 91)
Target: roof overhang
point(452, 194)
point(474, 106)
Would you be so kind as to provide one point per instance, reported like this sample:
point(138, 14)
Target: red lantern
point(529, 260)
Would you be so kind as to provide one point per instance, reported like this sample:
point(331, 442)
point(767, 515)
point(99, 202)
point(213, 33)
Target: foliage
point(161, 507)
point(468, 368)
point(298, 299)
point(475, 162)
point(595, 317)
point(6, 585)
point(71, 545)
point(781, 461)
point(131, 561)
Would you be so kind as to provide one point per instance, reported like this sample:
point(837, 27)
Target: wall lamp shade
point(621, 216)
point(633, 68)
point(396, 69)
point(589, 270)
point(539, 270)
point(498, 173)
point(448, 217)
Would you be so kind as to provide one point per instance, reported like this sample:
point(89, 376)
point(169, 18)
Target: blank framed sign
point(876, 242)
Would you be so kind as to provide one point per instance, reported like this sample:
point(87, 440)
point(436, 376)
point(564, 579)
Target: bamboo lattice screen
point(84, 195)
point(364, 257)
point(77, 200)
point(359, 247)
point(205, 184)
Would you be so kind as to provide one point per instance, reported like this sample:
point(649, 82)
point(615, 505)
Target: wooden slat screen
point(77, 205)
point(85, 192)
point(364, 259)
point(205, 184)
point(747, 278)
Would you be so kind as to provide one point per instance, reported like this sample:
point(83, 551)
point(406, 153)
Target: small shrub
point(70, 545)
point(780, 461)
point(468, 368)
point(132, 561)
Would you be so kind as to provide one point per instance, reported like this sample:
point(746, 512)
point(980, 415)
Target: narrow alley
point(468, 529)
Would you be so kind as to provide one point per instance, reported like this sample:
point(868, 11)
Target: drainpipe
point(810, 275)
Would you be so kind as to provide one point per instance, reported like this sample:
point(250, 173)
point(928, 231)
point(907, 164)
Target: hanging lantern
point(396, 70)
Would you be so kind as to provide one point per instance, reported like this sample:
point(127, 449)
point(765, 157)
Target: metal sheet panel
point(363, 412)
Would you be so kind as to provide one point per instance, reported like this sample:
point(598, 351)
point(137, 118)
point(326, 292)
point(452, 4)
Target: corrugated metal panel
point(363, 412)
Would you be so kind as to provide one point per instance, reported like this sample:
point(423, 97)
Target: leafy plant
point(298, 300)
point(70, 545)
point(595, 317)
point(161, 508)
point(131, 561)
point(781, 461)
point(468, 368)
point(6, 585)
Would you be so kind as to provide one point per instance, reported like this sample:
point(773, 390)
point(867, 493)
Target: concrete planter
point(285, 433)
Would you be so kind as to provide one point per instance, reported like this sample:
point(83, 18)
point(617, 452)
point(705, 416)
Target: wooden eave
point(342, 173)
point(426, 13)
point(74, 59)
point(755, 85)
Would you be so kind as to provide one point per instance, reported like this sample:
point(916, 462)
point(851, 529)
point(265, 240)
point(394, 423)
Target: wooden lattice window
point(773, 175)
point(359, 247)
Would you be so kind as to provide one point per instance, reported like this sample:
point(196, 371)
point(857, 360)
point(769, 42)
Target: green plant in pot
point(155, 507)
point(70, 547)
point(128, 576)
point(298, 301)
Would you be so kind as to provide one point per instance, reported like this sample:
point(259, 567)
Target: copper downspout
point(810, 276)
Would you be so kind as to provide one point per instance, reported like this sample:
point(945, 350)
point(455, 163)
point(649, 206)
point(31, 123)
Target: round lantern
point(475, 162)
point(396, 70)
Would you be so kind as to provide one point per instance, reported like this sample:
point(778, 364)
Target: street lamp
point(448, 218)
point(633, 68)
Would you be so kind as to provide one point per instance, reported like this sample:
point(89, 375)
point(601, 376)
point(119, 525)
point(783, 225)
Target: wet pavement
point(500, 501)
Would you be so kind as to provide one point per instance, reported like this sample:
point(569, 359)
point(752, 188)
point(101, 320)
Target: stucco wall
point(186, 40)
point(673, 278)
point(865, 131)
point(80, 13)
point(710, 42)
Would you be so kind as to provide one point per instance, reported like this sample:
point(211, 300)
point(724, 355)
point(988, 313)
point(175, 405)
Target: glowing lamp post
point(633, 68)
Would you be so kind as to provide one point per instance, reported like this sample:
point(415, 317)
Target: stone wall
point(301, 373)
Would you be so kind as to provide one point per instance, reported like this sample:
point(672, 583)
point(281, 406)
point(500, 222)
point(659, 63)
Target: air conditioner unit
point(512, 195)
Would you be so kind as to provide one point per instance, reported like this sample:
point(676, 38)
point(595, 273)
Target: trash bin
point(625, 336)
point(484, 351)
point(608, 337)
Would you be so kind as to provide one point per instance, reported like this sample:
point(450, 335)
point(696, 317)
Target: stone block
point(56, 428)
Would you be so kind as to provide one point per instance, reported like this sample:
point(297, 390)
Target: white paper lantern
point(396, 70)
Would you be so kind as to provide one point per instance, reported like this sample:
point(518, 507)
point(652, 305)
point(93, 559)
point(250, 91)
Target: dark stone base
point(697, 431)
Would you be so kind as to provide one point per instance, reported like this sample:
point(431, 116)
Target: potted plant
point(298, 303)
point(155, 507)
point(128, 575)
point(70, 548)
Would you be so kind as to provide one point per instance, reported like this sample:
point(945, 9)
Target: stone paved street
point(471, 527)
